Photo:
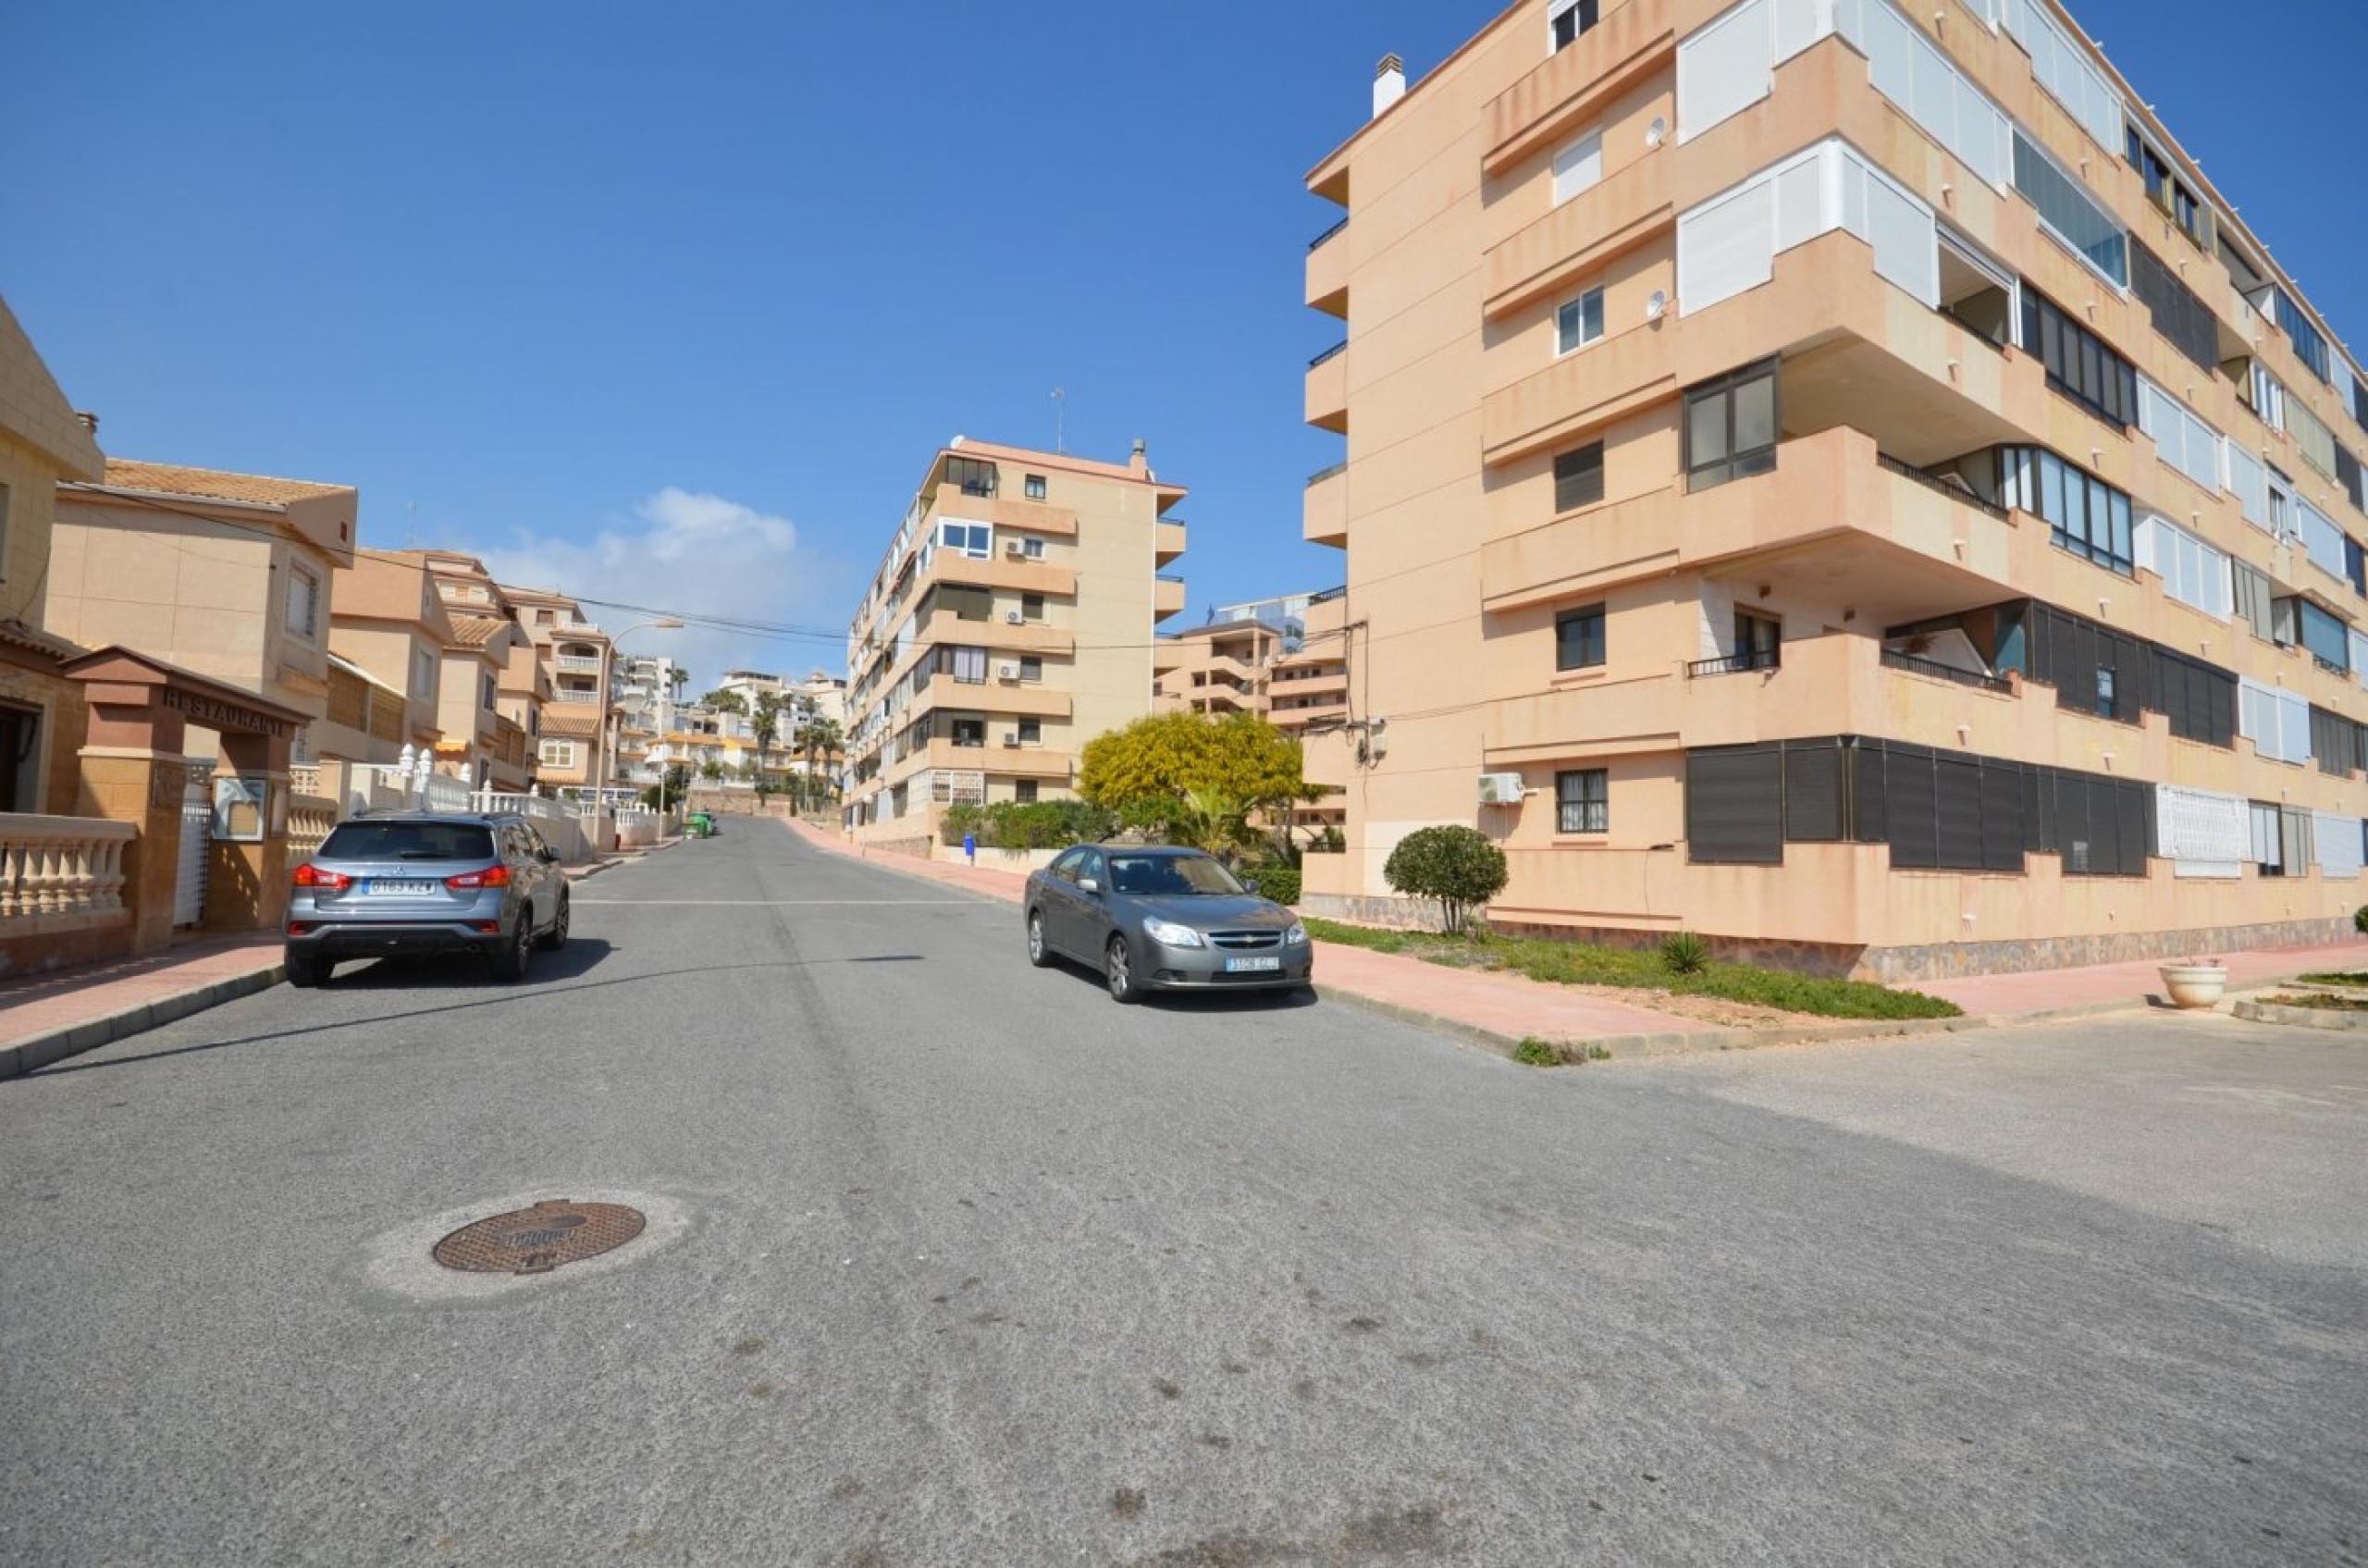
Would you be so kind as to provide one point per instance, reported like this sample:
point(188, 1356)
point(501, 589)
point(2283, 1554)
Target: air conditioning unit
point(1015, 548)
point(1007, 671)
point(1011, 738)
point(1014, 617)
point(1500, 789)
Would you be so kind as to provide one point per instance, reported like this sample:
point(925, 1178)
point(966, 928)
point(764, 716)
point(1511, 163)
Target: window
point(2277, 723)
point(1578, 639)
point(975, 540)
point(557, 753)
point(975, 477)
point(1031, 607)
point(2071, 212)
point(1759, 640)
point(423, 671)
point(1724, 68)
point(968, 732)
point(545, 617)
point(1033, 550)
point(2063, 69)
point(1031, 731)
point(2308, 346)
point(1567, 19)
point(2253, 597)
point(2078, 363)
point(2178, 314)
point(2192, 571)
point(1731, 426)
point(2268, 838)
point(968, 665)
point(490, 696)
point(2267, 398)
point(1579, 322)
point(303, 601)
point(1578, 476)
point(1031, 668)
point(2165, 189)
point(2085, 516)
point(2326, 636)
point(1033, 487)
point(4, 533)
point(1024, 792)
point(1578, 166)
point(1582, 801)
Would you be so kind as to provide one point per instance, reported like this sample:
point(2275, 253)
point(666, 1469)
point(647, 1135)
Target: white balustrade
point(60, 866)
point(310, 820)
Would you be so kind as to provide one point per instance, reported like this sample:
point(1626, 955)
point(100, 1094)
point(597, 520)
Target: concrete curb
point(2299, 1017)
point(26, 1056)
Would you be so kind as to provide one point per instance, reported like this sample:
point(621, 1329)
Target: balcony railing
point(1317, 244)
point(1916, 666)
point(60, 866)
point(1909, 471)
point(1334, 350)
point(1323, 474)
point(1737, 663)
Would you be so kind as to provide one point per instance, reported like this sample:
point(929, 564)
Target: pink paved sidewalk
point(2101, 985)
point(1496, 1004)
point(35, 1005)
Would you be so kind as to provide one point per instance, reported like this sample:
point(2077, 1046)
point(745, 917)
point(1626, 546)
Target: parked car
point(1161, 919)
point(420, 883)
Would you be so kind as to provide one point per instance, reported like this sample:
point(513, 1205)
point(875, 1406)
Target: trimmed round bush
point(1458, 867)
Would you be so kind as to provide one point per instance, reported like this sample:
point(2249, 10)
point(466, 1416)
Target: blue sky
point(612, 292)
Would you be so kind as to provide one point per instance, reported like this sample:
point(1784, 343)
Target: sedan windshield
point(1157, 874)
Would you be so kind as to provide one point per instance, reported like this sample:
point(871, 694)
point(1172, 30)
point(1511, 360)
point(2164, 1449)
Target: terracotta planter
point(2194, 985)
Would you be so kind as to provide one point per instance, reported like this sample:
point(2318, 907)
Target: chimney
point(1139, 461)
point(1389, 83)
point(90, 421)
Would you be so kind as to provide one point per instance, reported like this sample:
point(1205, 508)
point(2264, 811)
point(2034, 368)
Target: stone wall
point(1907, 965)
point(918, 848)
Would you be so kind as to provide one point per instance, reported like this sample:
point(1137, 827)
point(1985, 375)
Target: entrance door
point(20, 736)
point(197, 842)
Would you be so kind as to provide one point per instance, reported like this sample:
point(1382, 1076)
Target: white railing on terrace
point(576, 698)
point(52, 867)
point(581, 663)
point(532, 806)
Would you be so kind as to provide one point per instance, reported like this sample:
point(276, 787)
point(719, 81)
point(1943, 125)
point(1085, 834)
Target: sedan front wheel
point(1119, 969)
point(1038, 953)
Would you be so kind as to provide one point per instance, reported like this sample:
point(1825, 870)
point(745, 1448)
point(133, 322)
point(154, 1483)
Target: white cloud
point(681, 551)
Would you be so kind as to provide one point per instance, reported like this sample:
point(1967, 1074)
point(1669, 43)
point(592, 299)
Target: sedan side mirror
point(1087, 884)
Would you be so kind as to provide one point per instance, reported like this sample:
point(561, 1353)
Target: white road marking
point(770, 903)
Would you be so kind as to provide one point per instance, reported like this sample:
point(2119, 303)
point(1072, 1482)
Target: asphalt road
point(953, 1261)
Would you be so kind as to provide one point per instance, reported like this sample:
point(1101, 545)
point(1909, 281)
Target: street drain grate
point(536, 1241)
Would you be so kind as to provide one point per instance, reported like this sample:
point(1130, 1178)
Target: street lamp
point(608, 738)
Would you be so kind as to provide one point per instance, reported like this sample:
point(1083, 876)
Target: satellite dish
point(1656, 131)
point(1656, 305)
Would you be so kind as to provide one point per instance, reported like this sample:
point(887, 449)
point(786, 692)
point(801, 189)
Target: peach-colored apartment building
point(575, 656)
point(390, 624)
point(1011, 622)
point(1840, 480)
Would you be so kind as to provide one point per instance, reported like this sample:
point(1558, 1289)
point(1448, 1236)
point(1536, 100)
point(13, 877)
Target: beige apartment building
point(389, 627)
point(1011, 621)
point(223, 575)
point(575, 655)
point(1222, 667)
point(1838, 479)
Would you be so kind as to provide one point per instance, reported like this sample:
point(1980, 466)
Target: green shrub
point(1536, 1053)
point(2360, 918)
point(1455, 867)
point(1685, 954)
point(1037, 825)
point(1277, 883)
point(1598, 1053)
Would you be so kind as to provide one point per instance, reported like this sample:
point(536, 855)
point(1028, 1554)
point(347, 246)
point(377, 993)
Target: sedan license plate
point(398, 887)
point(1251, 966)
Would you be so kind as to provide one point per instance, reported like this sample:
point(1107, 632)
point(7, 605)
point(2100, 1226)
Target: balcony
point(994, 695)
point(1574, 85)
point(1578, 238)
point(1832, 522)
point(1328, 271)
point(997, 635)
point(990, 757)
point(576, 698)
point(1167, 539)
point(1324, 518)
point(1327, 389)
point(1167, 597)
point(1017, 574)
point(576, 663)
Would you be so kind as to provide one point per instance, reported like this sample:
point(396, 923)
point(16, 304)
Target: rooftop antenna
point(1060, 416)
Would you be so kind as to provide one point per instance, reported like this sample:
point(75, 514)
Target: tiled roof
point(571, 726)
point(475, 631)
point(214, 484)
point(18, 634)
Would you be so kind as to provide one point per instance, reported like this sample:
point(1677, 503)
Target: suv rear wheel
point(510, 963)
point(554, 939)
point(307, 970)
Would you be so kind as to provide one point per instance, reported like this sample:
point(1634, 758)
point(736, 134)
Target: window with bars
point(1583, 800)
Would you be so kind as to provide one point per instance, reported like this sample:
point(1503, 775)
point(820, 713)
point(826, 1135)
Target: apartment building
point(1222, 667)
point(388, 627)
point(222, 575)
point(574, 653)
point(1012, 619)
point(1841, 479)
point(644, 689)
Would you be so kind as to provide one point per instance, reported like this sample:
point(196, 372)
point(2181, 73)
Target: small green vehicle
point(700, 824)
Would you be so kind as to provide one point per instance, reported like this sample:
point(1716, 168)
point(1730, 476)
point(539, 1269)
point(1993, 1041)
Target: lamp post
point(608, 661)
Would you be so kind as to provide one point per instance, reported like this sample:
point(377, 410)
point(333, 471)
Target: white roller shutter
point(2207, 834)
point(1578, 166)
point(1900, 228)
point(1726, 246)
point(2337, 841)
point(1724, 69)
point(2249, 484)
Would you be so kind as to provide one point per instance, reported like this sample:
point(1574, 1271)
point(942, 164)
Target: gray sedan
point(1162, 919)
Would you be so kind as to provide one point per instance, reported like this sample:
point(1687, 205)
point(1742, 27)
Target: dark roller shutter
point(2221, 709)
point(2039, 811)
point(1812, 791)
point(2136, 839)
point(1870, 815)
point(1958, 812)
point(1915, 829)
point(2072, 823)
point(1734, 806)
point(2075, 676)
point(2001, 817)
point(2295, 850)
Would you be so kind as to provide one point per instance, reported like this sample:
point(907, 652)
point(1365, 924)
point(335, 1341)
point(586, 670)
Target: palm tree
point(766, 728)
point(820, 739)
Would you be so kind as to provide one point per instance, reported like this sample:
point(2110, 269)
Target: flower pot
point(2194, 985)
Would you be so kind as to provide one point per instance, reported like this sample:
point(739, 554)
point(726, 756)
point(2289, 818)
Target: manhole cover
point(538, 1239)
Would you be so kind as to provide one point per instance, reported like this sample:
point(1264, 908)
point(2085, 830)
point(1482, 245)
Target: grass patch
point(2337, 977)
point(1536, 1053)
point(2322, 1000)
point(1571, 963)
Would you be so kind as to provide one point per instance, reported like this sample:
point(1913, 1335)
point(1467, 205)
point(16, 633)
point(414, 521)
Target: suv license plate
point(1251, 966)
point(399, 886)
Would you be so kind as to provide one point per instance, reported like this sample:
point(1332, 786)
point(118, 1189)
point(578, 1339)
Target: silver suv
point(417, 882)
